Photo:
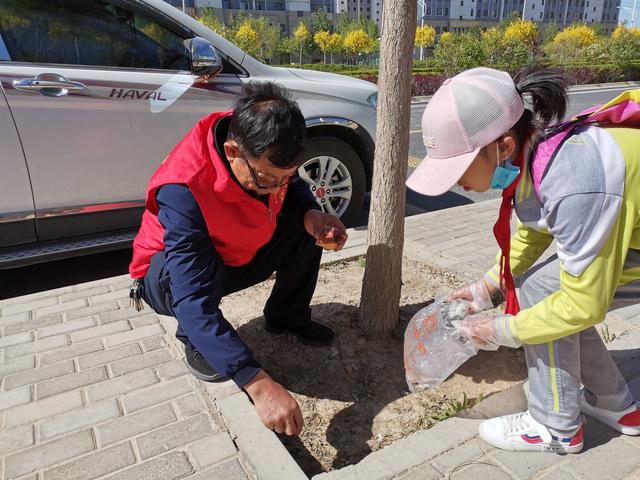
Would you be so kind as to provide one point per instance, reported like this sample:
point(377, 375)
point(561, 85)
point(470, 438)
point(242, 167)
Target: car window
point(88, 32)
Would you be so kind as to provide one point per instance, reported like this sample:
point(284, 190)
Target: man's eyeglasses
point(265, 181)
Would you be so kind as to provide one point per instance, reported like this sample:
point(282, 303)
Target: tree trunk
point(380, 300)
point(300, 62)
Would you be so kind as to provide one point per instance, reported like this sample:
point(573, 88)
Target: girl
point(479, 134)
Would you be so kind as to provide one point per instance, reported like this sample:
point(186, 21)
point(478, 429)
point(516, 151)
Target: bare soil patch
point(353, 395)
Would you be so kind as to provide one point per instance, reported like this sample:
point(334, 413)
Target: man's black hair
point(266, 119)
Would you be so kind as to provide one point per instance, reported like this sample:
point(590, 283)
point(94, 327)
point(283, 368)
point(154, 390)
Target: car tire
point(338, 158)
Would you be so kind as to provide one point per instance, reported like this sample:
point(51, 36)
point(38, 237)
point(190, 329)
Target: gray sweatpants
point(558, 369)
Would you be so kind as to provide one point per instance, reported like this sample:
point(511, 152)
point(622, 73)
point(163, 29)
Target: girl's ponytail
point(547, 88)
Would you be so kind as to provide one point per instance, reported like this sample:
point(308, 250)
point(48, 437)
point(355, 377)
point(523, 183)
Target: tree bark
point(380, 300)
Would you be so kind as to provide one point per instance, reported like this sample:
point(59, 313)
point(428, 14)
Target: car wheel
point(335, 175)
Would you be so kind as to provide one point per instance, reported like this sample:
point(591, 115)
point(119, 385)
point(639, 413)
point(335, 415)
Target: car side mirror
point(204, 58)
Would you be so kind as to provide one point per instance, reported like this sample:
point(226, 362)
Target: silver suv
point(95, 93)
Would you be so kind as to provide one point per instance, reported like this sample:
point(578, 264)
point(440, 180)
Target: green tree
point(461, 51)
point(624, 46)
point(320, 22)
point(571, 44)
point(268, 38)
point(336, 44)
point(208, 19)
point(288, 45)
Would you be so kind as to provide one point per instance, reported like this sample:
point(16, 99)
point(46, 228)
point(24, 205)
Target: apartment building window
point(471, 14)
point(439, 11)
point(553, 14)
point(300, 13)
point(462, 3)
point(540, 15)
point(446, 11)
point(460, 17)
point(533, 6)
point(594, 9)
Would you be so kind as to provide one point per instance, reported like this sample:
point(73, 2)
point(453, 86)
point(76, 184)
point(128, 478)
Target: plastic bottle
point(433, 347)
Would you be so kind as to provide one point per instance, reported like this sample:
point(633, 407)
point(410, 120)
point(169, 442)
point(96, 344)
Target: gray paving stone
point(189, 405)
point(61, 307)
point(122, 314)
point(172, 369)
point(168, 467)
point(71, 382)
point(14, 397)
point(441, 437)
point(220, 390)
point(66, 327)
point(153, 343)
point(17, 365)
point(135, 424)
point(24, 306)
point(373, 468)
point(227, 470)
point(144, 320)
point(15, 339)
point(46, 454)
point(72, 351)
point(597, 463)
point(15, 318)
point(38, 374)
point(40, 409)
point(138, 362)
point(397, 458)
point(346, 473)
point(79, 418)
point(100, 331)
point(120, 385)
point(13, 439)
point(158, 393)
point(133, 335)
point(456, 457)
point(526, 466)
point(424, 472)
point(106, 297)
point(174, 435)
point(107, 356)
point(211, 450)
point(84, 293)
point(32, 324)
point(44, 345)
point(480, 470)
point(557, 474)
point(259, 445)
point(94, 465)
point(92, 310)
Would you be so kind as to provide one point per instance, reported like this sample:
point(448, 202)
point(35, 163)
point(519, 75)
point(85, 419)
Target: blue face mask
point(504, 176)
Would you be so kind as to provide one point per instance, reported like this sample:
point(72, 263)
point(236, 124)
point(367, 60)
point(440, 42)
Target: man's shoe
point(626, 421)
point(200, 368)
point(314, 334)
point(520, 432)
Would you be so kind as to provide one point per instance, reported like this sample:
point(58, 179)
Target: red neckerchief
point(502, 232)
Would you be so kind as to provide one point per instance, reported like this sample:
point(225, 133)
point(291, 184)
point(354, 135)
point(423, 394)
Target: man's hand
point(488, 331)
point(277, 409)
point(479, 294)
point(329, 232)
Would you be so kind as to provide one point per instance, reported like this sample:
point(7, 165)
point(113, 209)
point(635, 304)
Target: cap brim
point(435, 176)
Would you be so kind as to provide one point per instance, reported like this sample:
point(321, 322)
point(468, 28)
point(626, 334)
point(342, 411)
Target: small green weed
point(454, 406)
point(606, 335)
point(362, 261)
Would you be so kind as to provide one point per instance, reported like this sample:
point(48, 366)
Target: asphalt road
point(22, 281)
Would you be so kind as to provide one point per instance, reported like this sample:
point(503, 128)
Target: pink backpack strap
point(542, 155)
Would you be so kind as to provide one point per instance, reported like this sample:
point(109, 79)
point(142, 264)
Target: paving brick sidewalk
point(92, 389)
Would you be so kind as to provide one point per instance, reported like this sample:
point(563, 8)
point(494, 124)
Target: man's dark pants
point(291, 253)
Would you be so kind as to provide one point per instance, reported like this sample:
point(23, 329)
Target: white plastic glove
point(476, 293)
point(488, 331)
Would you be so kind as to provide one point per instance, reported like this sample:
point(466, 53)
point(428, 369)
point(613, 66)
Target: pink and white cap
point(468, 112)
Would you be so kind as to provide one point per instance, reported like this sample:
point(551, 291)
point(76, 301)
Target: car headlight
point(373, 100)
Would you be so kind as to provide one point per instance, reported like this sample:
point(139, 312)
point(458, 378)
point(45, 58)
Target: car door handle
point(50, 85)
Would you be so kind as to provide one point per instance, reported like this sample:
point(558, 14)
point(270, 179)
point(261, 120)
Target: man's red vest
point(238, 223)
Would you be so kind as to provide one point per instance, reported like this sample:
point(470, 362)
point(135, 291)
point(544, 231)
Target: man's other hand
point(329, 232)
point(276, 408)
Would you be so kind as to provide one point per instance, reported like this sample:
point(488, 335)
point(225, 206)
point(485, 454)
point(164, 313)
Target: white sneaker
point(627, 421)
point(520, 432)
